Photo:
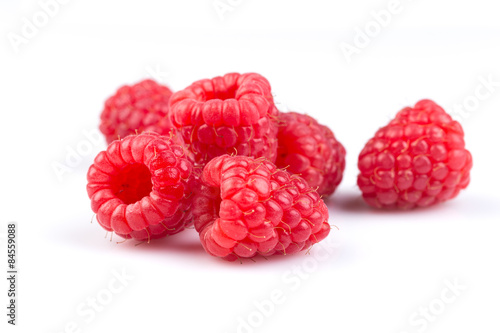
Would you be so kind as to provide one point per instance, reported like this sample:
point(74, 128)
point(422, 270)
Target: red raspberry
point(140, 186)
point(419, 159)
point(136, 109)
point(311, 150)
point(246, 207)
point(232, 114)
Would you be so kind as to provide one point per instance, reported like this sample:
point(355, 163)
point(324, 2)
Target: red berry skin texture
point(142, 107)
point(230, 114)
point(418, 159)
point(140, 187)
point(311, 150)
point(245, 207)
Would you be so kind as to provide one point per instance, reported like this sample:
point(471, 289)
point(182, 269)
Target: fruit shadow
point(191, 247)
point(353, 203)
point(186, 242)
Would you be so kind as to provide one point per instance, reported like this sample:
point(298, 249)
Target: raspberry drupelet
point(246, 207)
point(140, 187)
point(418, 159)
point(230, 114)
point(135, 109)
point(310, 149)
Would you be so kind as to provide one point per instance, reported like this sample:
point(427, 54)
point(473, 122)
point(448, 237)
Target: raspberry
point(246, 206)
point(311, 150)
point(140, 186)
point(419, 159)
point(135, 109)
point(232, 114)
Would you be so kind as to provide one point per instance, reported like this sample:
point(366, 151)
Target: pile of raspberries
point(219, 156)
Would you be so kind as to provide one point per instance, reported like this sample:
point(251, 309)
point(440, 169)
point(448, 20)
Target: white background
point(384, 266)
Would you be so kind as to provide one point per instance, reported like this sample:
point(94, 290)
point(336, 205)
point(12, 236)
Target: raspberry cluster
point(220, 156)
point(212, 162)
point(418, 159)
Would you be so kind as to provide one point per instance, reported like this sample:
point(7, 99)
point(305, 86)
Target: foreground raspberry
point(232, 114)
point(135, 109)
point(419, 159)
point(310, 149)
point(140, 187)
point(246, 207)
